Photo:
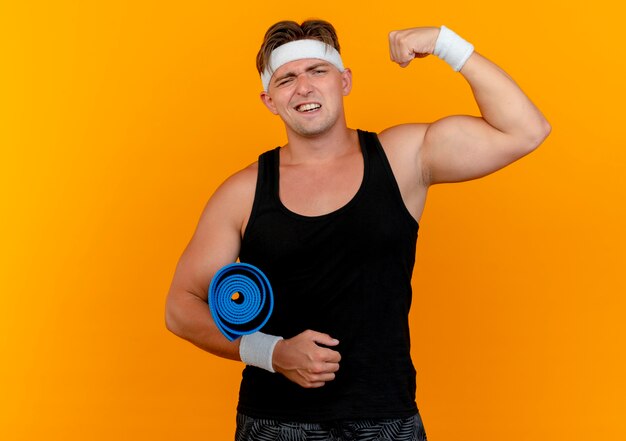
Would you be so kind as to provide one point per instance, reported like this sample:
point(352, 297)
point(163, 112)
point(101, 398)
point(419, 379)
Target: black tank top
point(345, 273)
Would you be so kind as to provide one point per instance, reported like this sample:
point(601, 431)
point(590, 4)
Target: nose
point(303, 85)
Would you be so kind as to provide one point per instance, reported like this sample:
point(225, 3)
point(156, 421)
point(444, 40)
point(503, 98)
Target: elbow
point(543, 131)
point(171, 324)
point(536, 135)
point(540, 133)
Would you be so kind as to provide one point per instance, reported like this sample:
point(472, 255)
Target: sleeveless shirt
point(348, 274)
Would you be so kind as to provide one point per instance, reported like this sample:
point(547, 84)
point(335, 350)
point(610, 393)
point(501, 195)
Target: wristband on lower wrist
point(453, 49)
point(257, 349)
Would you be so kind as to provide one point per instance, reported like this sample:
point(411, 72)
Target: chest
point(315, 190)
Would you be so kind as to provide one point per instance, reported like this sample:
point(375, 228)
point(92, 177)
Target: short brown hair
point(287, 31)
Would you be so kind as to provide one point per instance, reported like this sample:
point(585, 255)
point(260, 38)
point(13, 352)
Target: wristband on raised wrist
point(452, 49)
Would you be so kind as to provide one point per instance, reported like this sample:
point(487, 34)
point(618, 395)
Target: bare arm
point(215, 243)
point(460, 148)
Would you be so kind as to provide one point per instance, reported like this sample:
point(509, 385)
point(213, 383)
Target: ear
point(346, 81)
point(269, 103)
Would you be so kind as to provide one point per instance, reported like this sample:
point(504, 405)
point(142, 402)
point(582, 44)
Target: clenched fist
point(407, 44)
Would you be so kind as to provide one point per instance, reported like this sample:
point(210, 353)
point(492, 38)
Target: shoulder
point(233, 199)
point(403, 136)
point(240, 182)
point(240, 186)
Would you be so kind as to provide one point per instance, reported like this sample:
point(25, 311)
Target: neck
point(337, 141)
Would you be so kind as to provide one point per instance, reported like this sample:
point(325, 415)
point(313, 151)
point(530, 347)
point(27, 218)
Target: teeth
point(307, 107)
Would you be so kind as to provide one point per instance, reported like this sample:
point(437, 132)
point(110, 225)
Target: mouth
point(308, 107)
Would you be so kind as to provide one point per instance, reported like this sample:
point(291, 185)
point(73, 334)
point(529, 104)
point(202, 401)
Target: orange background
point(119, 119)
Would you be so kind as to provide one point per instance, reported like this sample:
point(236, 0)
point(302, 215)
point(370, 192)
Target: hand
point(304, 362)
point(407, 44)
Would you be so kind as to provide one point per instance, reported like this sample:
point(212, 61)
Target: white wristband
point(256, 349)
point(452, 49)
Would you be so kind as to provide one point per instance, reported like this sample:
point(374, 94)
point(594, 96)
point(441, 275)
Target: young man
point(332, 219)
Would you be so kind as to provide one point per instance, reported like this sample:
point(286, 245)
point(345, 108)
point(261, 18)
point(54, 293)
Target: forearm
point(300, 359)
point(502, 104)
point(189, 317)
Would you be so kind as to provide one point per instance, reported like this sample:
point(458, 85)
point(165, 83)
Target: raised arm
point(460, 148)
point(215, 243)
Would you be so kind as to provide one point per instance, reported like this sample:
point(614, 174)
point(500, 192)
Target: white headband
point(299, 50)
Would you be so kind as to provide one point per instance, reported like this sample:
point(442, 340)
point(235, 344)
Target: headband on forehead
point(299, 50)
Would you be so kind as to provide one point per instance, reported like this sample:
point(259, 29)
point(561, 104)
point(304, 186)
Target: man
point(332, 220)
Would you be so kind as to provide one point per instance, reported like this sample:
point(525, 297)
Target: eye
point(284, 81)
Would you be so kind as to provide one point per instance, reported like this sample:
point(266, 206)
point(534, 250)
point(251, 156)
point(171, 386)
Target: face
point(308, 96)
